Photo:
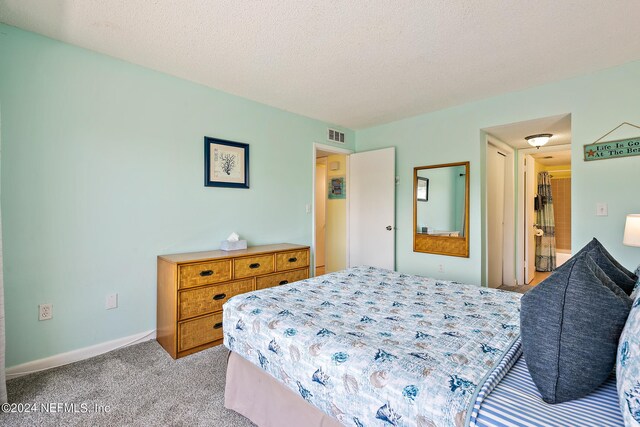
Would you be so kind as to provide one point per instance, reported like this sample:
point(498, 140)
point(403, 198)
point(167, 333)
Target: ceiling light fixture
point(538, 140)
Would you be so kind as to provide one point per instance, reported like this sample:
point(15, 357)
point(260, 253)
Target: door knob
point(389, 228)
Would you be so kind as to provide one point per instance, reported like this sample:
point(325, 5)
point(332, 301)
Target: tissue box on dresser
point(226, 245)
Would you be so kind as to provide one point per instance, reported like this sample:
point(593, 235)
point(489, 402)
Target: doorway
point(353, 208)
point(330, 212)
point(330, 209)
point(555, 162)
point(511, 220)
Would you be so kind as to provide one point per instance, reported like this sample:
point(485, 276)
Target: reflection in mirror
point(441, 209)
point(441, 201)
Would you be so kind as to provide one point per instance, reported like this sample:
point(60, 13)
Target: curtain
point(545, 244)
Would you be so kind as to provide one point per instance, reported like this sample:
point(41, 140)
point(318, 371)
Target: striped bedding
point(363, 359)
point(515, 401)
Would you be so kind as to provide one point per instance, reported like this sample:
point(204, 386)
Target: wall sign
point(612, 149)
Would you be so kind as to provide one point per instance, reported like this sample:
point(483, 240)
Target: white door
point(372, 194)
point(495, 215)
point(531, 189)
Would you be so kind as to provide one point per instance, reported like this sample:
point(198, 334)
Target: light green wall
point(597, 102)
point(102, 170)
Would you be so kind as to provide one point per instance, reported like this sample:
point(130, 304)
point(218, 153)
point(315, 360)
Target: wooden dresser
point(193, 286)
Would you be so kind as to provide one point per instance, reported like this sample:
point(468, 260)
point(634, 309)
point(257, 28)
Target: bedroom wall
point(102, 170)
point(598, 102)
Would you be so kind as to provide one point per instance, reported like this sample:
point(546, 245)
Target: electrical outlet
point(307, 208)
point(45, 311)
point(111, 302)
point(440, 268)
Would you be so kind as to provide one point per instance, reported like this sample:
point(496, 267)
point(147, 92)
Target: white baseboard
point(77, 355)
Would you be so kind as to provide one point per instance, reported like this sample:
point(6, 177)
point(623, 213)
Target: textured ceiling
point(513, 134)
point(556, 158)
point(355, 63)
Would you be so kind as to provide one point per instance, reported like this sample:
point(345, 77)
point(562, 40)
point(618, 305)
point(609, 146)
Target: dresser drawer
point(281, 278)
point(207, 299)
point(252, 266)
point(204, 273)
point(291, 260)
point(193, 333)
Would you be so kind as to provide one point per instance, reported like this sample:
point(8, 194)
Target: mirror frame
point(441, 245)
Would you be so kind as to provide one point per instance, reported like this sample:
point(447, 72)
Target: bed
point(373, 347)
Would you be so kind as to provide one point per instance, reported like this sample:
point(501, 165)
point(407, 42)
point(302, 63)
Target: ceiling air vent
point(335, 136)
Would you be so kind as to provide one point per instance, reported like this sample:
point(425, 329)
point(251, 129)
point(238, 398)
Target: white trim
point(337, 150)
point(499, 144)
point(331, 149)
point(325, 162)
point(77, 355)
point(346, 238)
point(521, 253)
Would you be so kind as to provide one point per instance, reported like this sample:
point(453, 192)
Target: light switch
point(602, 209)
point(111, 302)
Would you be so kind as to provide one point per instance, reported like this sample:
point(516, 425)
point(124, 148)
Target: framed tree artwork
point(226, 163)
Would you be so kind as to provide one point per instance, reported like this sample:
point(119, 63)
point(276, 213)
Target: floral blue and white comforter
point(373, 347)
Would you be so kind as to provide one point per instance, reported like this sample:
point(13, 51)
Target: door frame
point(521, 250)
point(508, 251)
point(335, 150)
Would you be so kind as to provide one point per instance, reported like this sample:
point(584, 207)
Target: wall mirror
point(441, 209)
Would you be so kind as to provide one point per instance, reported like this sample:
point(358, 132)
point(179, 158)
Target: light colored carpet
point(141, 384)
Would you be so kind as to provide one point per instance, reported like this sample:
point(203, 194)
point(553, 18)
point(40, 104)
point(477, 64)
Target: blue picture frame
point(226, 163)
point(337, 188)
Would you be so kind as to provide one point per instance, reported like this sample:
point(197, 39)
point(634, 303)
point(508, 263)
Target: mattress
point(515, 401)
point(375, 347)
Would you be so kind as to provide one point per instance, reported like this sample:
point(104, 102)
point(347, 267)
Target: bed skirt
point(255, 394)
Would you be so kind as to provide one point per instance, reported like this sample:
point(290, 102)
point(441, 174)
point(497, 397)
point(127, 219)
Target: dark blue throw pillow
point(612, 268)
point(570, 325)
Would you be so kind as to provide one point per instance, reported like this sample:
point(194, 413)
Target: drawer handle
point(294, 259)
point(206, 273)
point(217, 325)
point(219, 296)
point(284, 282)
point(254, 265)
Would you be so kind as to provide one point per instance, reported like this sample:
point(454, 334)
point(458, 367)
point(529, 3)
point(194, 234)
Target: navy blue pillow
point(612, 268)
point(570, 325)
